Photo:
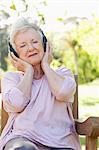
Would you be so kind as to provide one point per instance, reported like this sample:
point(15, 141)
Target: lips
point(33, 54)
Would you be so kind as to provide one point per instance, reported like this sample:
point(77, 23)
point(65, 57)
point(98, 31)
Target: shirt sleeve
point(13, 99)
point(68, 87)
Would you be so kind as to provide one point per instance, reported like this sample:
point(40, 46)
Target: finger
point(50, 50)
point(10, 55)
point(10, 58)
point(13, 63)
point(14, 57)
point(47, 48)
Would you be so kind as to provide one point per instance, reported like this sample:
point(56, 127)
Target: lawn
point(89, 99)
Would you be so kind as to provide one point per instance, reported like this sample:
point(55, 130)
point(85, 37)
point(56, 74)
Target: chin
point(34, 60)
point(34, 63)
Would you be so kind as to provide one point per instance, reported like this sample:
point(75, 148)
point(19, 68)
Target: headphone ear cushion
point(44, 40)
point(12, 50)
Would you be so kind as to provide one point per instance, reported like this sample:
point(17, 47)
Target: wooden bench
point(88, 128)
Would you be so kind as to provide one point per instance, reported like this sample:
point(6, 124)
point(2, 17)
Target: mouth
point(32, 54)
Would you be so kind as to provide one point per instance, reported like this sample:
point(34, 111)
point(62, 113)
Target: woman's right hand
point(20, 64)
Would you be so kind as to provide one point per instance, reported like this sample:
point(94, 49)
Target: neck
point(38, 72)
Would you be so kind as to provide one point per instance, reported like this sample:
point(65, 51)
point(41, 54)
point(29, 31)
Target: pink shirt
point(44, 118)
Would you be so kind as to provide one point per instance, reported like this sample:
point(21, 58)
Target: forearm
point(54, 79)
point(63, 87)
point(26, 82)
point(16, 97)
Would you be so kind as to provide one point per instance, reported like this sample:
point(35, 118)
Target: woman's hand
point(47, 58)
point(18, 63)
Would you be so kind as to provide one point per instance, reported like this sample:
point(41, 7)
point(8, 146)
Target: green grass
point(83, 142)
point(89, 99)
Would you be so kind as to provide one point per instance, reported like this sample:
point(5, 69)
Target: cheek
point(23, 57)
point(23, 54)
point(41, 46)
point(42, 53)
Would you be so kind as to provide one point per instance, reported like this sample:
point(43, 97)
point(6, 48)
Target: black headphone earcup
point(44, 40)
point(12, 50)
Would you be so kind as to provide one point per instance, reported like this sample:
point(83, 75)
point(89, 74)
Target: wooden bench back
point(4, 115)
point(75, 104)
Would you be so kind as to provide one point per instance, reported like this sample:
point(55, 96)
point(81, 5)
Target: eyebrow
point(21, 43)
point(25, 42)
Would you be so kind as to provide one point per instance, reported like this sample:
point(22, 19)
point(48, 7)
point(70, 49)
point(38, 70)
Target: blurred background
point(72, 27)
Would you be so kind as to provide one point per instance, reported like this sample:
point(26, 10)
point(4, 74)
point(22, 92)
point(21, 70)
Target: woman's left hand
point(47, 58)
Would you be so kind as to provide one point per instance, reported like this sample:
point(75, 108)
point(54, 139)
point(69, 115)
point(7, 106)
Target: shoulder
point(64, 71)
point(13, 76)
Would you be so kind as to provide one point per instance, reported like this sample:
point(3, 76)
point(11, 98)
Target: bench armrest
point(89, 127)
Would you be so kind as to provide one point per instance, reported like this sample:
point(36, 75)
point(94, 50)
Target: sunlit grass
point(89, 99)
point(83, 142)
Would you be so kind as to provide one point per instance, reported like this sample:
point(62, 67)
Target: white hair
point(22, 24)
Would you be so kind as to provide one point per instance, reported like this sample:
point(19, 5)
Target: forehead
point(27, 34)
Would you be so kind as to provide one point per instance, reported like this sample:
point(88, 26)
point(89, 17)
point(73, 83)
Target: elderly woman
point(37, 98)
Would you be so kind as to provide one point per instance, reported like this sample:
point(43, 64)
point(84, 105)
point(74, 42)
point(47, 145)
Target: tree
point(83, 40)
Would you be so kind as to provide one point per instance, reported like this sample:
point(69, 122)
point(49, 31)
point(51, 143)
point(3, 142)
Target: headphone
point(44, 41)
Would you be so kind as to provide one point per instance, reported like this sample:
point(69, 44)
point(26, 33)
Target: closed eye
point(22, 46)
point(35, 41)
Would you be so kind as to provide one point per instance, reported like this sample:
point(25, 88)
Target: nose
point(30, 47)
